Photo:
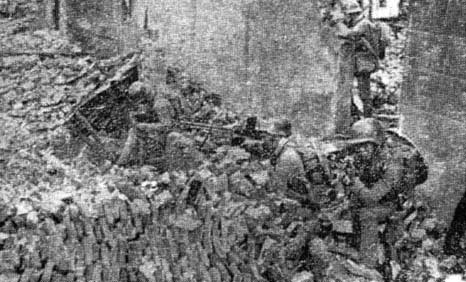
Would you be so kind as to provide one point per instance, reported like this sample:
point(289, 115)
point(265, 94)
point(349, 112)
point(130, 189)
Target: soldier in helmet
point(150, 118)
point(286, 160)
point(388, 166)
point(363, 46)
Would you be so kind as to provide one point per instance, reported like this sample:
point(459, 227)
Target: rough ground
point(66, 219)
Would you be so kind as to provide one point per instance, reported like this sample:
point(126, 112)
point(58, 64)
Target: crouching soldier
point(285, 158)
point(388, 167)
point(150, 119)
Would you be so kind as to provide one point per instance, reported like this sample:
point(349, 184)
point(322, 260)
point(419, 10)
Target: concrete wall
point(98, 25)
point(264, 56)
point(434, 97)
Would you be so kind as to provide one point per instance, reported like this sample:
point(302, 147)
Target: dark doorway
point(56, 14)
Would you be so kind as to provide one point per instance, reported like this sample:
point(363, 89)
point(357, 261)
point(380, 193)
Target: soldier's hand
point(366, 196)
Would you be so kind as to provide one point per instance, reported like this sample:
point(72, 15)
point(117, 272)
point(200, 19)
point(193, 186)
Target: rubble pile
point(215, 214)
point(226, 220)
point(387, 82)
point(43, 76)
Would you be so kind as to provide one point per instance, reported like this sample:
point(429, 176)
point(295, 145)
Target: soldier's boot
point(364, 87)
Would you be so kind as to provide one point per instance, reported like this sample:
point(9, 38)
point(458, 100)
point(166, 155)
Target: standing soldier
point(364, 45)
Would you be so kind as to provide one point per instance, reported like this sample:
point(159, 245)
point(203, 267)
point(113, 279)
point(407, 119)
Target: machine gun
point(238, 133)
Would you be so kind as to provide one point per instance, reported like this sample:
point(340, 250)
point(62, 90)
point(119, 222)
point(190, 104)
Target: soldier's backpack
point(414, 162)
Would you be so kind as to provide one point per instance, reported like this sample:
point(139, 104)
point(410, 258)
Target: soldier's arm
point(353, 33)
point(390, 181)
point(370, 196)
point(382, 187)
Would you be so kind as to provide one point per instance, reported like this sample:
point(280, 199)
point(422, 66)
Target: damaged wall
point(434, 97)
point(102, 27)
point(256, 53)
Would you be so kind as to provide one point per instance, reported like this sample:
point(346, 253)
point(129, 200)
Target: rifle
point(362, 40)
point(372, 51)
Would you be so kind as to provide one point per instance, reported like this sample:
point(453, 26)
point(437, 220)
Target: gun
point(237, 133)
point(363, 41)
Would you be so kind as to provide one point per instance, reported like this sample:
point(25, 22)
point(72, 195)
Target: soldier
point(363, 46)
point(286, 160)
point(388, 166)
point(150, 119)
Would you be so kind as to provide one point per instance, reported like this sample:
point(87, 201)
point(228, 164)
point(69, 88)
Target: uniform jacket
point(364, 35)
point(397, 171)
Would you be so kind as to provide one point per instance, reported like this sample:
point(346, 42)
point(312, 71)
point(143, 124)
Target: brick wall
point(435, 97)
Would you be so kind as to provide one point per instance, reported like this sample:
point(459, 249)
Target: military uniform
point(358, 57)
point(395, 169)
point(364, 44)
point(145, 142)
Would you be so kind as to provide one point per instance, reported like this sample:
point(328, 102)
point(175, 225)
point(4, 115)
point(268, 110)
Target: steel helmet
point(351, 7)
point(366, 130)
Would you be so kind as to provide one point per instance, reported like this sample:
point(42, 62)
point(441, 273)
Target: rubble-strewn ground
point(66, 219)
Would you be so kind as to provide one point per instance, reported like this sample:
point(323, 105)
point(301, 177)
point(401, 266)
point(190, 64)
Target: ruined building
point(258, 53)
point(434, 97)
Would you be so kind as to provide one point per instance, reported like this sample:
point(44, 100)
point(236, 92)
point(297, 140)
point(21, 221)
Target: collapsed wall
point(434, 97)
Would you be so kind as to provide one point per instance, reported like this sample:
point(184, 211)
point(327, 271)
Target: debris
point(343, 226)
point(260, 213)
point(185, 221)
point(303, 277)
point(363, 271)
point(66, 217)
point(433, 267)
point(418, 234)
point(162, 199)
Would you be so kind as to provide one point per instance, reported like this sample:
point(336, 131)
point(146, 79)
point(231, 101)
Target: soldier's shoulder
point(399, 145)
point(395, 137)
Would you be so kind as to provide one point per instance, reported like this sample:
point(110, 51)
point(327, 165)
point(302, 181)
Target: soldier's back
point(405, 153)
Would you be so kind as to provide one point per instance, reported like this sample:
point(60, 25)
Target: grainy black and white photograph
point(232, 141)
